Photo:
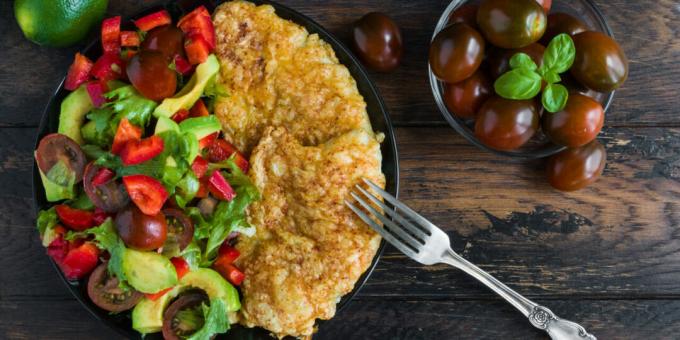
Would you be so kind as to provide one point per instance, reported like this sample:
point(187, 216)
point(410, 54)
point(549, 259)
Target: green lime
point(58, 22)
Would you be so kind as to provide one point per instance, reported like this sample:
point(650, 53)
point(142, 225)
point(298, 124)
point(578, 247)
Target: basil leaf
point(520, 60)
point(520, 83)
point(551, 77)
point(560, 54)
point(555, 97)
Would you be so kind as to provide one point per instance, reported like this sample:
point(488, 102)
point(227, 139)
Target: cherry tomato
point(140, 151)
point(180, 227)
point(167, 39)
point(576, 168)
point(146, 192)
point(456, 52)
point(141, 231)
point(175, 327)
point(466, 14)
point(75, 219)
point(149, 73)
point(511, 24)
point(559, 23)
point(105, 292)
point(376, 39)
point(577, 124)
point(505, 124)
point(55, 148)
point(499, 58)
point(125, 133)
point(464, 98)
point(109, 195)
point(546, 4)
point(600, 63)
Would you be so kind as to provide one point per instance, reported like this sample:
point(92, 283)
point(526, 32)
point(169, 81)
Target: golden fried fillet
point(279, 75)
point(309, 248)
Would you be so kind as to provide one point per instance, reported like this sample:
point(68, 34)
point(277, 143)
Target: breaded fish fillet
point(279, 75)
point(309, 248)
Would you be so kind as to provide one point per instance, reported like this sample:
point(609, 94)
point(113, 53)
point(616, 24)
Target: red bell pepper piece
point(75, 219)
point(100, 216)
point(181, 267)
point(108, 67)
point(208, 140)
point(129, 38)
point(96, 90)
point(198, 22)
point(199, 109)
point(58, 248)
point(136, 152)
point(221, 150)
point(229, 272)
point(199, 166)
point(153, 20)
point(80, 261)
point(146, 192)
point(104, 175)
point(125, 133)
point(180, 115)
point(202, 188)
point(227, 253)
point(197, 49)
point(182, 65)
point(219, 187)
point(111, 35)
point(78, 72)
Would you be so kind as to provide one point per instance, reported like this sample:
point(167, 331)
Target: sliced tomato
point(78, 72)
point(100, 216)
point(227, 253)
point(136, 152)
point(129, 38)
point(180, 115)
point(182, 66)
point(96, 90)
point(75, 219)
point(108, 67)
point(80, 261)
point(199, 166)
point(125, 133)
point(199, 109)
point(208, 140)
point(146, 192)
point(153, 20)
point(197, 49)
point(219, 187)
point(198, 22)
point(220, 150)
point(111, 35)
point(229, 272)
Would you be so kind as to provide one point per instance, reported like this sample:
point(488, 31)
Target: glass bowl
point(539, 146)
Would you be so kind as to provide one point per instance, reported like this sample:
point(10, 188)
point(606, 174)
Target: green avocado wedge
point(72, 115)
point(148, 272)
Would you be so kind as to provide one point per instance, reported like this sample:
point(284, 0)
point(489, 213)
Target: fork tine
point(384, 233)
point(405, 224)
point(422, 221)
point(406, 238)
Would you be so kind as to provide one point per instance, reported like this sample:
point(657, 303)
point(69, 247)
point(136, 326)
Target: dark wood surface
point(607, 256)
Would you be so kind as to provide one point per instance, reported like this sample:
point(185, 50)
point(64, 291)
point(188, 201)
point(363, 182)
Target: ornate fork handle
point(539, 316)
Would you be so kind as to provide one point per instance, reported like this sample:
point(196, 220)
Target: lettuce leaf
point(47, 219)
point(215, 321)
point(126, 102)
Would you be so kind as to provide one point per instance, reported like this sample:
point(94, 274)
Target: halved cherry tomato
point(198, 22)
point(197, 49)
point(199, 109)
point(125, 133)
point(229, 272)
point(108, 67)
point(208, 140)
point(136, 152)
point(221, 150)
point(96, 90)
point(153, 20)
point(78, 72)
point(227, 253)
point(181, 267)
point(79, 261)
point(129, 38)
point(111, 34)
point(180, 115)
point(219, 187)
point(199, 166)
point(182, 66)
point(148, 193)
point(75, 219)
point(103, 176)
point(100, 216)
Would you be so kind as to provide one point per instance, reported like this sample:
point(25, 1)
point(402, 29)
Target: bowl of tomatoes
point(528, 78)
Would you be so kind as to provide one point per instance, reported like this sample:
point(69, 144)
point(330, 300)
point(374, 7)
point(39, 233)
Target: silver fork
point(424, 242)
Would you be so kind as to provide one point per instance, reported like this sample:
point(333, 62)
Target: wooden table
point(607, 256)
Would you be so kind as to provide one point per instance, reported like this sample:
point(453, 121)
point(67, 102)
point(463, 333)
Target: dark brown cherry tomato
point(180, 227)
point(505, 124)
point(511, 24)
point(109, 196)
point(149, 73)
point(576, 168)
point(600, 63)
point(55, 148)
point(546, 4)
point(456, 52)
point(141, 231)
point(464, 98)
point(466, 14)
point(577, 124)
point(105, 292)
point(174, 327)
point(559, 23)
point(166, 39)
point(376, 39)
point(499, 58)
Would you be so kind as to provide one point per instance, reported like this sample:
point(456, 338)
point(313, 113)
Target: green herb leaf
point(555, 97)
point(522, 60)
point(520, 83)
point(126, 102)
point(560, 54)
point(215, 320)
point(81, 202)
point(47, 219)
point(552, 77)
point(186, 189)
point(93, 151)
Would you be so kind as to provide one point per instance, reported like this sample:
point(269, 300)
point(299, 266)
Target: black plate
point(376, 110)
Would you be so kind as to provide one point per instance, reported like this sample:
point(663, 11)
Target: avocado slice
point(148, 272)
point(72, 115)
point(190, 93)
point(147, 316)
point(200, 126)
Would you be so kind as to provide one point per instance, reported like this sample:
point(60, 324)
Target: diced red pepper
point(199, 109)
point(129, 38)
point(197, 49)
point(181, 267)
point(227, 253)
point(127, 53)
point(146, 192)
point(80, 261)
point(229, 272)
point(100, 216)
point(208, 140)
point(78, 72)
point(75, 219)
point(125, 133)
point(153, 20)
point(96, 90)
point(180, 115)
point(199, 166)
point(108, 67)
point(104, 175)
point(155, 296)
point(220, 188)
point(182, 65)
point(198, 22)
point(111, 35)
point(221, 150)
point(202, 188)
point(136, 152)
point(58, 248)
